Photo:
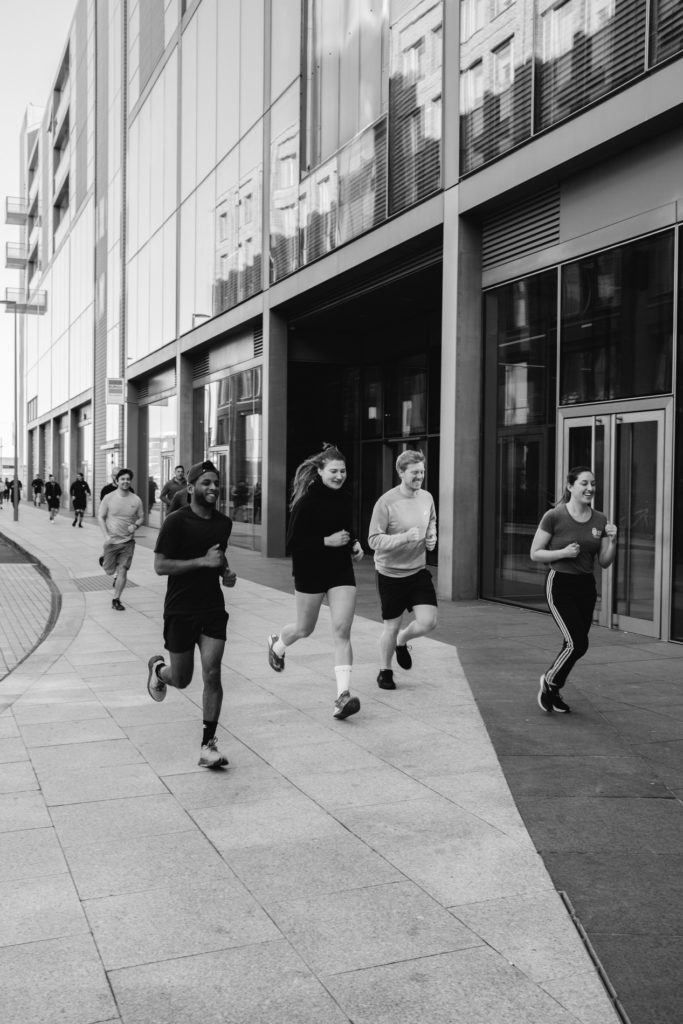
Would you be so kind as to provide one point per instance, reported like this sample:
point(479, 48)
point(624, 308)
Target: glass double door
point(628, 449)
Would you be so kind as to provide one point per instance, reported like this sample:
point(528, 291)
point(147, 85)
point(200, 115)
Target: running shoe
point(155, 687)
point(211, 757)
point(558, 704)
point(385, 679)
point(276, 661)
point(545, 697)
point(403, 656)
point(346, 705)
point(117, 606)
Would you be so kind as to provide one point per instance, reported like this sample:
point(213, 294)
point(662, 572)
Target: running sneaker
point(211, 757)
point(155, 687)
point(403, 656)
point(117, 606)
point(276, 661)
point(101, 560)
point(545, 697)
point(558, 704)
point(385, 679)
point(346, 705)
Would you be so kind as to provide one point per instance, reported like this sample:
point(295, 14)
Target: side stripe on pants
point(568, 649)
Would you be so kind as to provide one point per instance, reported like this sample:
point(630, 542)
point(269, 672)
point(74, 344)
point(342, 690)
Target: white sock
point(343, 674)
point(279, 647)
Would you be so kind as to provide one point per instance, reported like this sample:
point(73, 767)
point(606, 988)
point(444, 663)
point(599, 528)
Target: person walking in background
point(79, 492)
point(120, 514)
point(53, 494)
point(323, 545)
point(569, 538)
point(6, 489)
point(179, 500)
point(152, 491)
point(37, 487)
point(402, 530)
point(191, 551)
point(172, 486)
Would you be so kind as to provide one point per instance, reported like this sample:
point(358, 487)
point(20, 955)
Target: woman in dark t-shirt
point(323, 544)
point(569, 538)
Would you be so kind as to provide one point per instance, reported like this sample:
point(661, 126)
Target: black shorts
point(320, 583)
point(401, 593)
point(182, 632)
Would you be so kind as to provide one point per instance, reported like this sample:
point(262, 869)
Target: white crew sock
point(343, 674)
point(279, 647)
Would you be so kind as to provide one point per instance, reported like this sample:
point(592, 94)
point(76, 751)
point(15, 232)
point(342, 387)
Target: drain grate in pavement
point(98, 583)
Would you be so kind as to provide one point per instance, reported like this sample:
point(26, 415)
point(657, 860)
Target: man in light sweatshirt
point(402, 530)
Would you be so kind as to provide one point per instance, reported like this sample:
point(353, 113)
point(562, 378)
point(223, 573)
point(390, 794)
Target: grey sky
point(33, 35)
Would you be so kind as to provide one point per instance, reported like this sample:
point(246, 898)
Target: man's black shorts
point(320, 583)
point(401, 593)
point(182, 632)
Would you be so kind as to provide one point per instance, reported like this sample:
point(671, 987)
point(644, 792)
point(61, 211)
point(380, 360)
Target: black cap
point(199, 468)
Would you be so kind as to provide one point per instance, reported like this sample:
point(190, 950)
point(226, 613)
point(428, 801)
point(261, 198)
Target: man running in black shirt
point(190, 550)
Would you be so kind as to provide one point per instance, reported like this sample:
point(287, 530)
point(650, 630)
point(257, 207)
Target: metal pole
point(15, 489)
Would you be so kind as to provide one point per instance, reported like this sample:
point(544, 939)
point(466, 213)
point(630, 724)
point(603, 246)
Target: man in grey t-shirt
point(120, 514)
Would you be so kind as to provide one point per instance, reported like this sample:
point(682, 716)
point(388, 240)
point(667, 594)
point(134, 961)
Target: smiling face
point(583, 488)
point(204, 490)
point(124, 482)
point(412, 477)
point(333, 474)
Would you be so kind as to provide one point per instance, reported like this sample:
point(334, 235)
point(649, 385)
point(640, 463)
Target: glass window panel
point(495, 88)
point(285, 52)
point(677, 518)
point(155, 300)
point(666, 29)
point(206, 88)
point(617, 323)
point(251, 63)
point(521, 343)
point(187, 267)
point(284, 184)
point(155, 103)
point(204, 257)
point(226, 290)
point(586, 49)
point(169, 280)
point(170, 87)
point(373, 402)
point(415, 90)
point(251, 172)
point(228, 76)
point(188, 149)
point(362, 183)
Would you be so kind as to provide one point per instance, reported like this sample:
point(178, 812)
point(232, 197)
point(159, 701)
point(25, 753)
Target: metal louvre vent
point(258, 342)
point(531, 225)
point(91, 583)
point(200, 367)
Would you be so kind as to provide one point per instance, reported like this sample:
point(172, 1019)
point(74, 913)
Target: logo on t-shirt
point(596, 532)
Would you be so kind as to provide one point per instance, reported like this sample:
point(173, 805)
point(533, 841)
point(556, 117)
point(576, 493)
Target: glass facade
point(598, 372)
point(677, 538)
point(521, 355)
point(228, 416)
point(611, 301)
point(364, 141)
point(528, 65)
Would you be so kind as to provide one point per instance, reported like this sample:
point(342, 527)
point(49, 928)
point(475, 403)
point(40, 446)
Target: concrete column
point(184, 440)
point(274, 455)
point(461, 407)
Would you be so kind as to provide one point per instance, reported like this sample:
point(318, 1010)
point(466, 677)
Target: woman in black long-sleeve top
point(323, 544)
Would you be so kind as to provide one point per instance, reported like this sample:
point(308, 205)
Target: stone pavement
point(374, 870)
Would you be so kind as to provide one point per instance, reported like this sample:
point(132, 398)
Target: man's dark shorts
point(182, 632)
point(403, 593)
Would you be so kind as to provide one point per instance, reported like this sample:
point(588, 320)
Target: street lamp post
point(38, 306)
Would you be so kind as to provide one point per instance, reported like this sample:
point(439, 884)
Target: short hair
point(408, 458)
point(179, 467)
point(124, 472)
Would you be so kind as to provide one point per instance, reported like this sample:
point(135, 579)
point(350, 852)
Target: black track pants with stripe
point(571, 599)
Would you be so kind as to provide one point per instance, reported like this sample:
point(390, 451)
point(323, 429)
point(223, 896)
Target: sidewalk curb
point(60, 629)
